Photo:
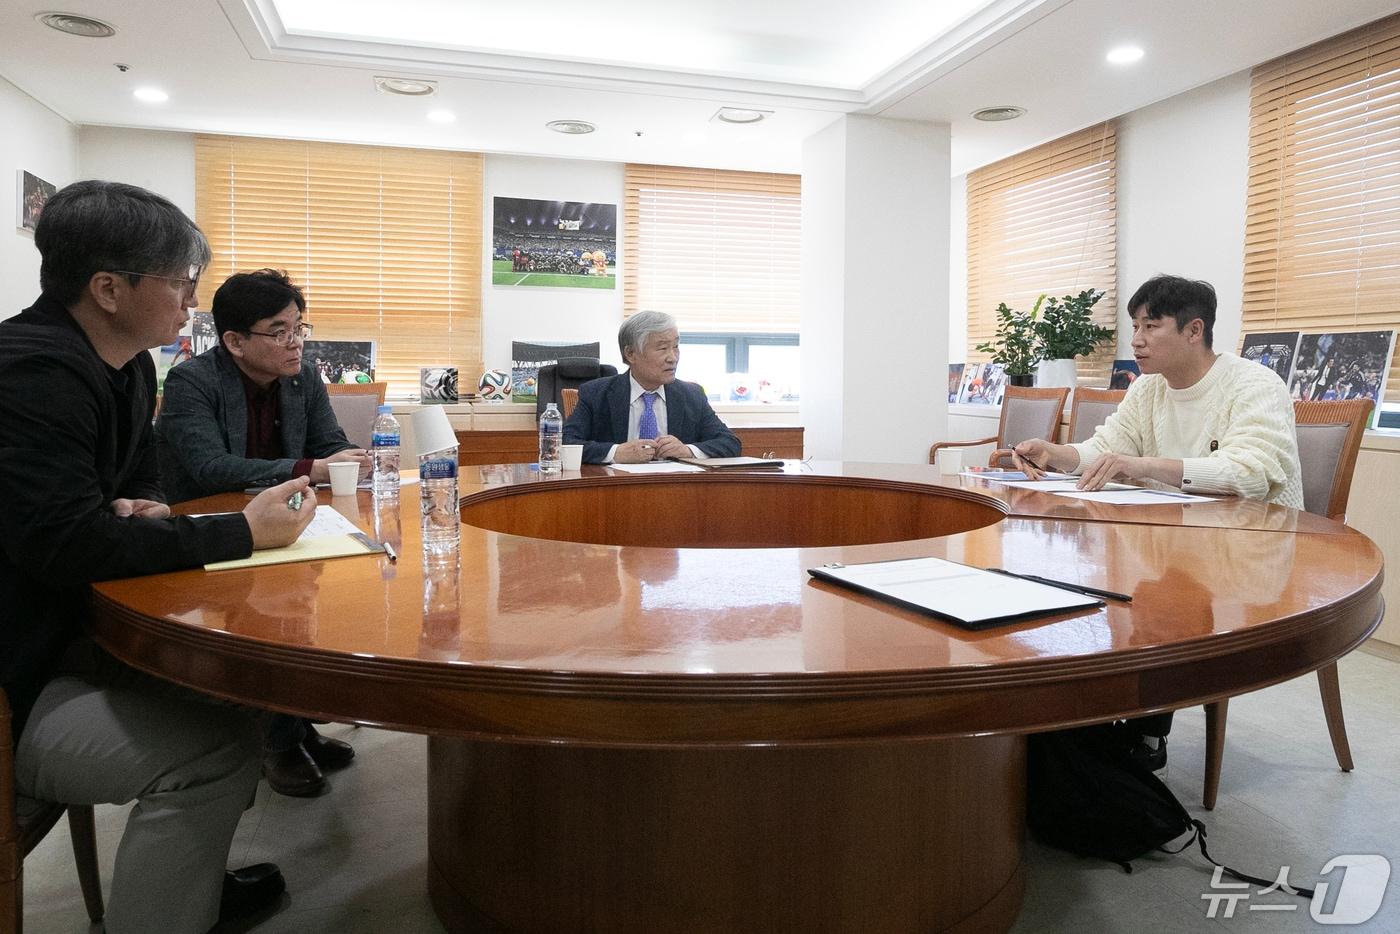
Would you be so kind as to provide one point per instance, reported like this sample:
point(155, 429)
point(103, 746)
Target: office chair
point(1329, 438)
point(24, 823)
point(568, 373)
point(1090, 409)
point(355, 405)
point(1025, 413)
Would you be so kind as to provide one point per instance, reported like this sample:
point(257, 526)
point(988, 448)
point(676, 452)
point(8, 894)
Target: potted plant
point(1015, 346)
point(1066, 330)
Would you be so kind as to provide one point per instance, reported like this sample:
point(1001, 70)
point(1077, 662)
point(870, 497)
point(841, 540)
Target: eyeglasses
point(287, 338)
point(188, 282)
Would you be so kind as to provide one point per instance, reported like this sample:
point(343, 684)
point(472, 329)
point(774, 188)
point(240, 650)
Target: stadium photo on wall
point(1273, 350)
point(553, 244)
point(1350, 365)
point(341, 361)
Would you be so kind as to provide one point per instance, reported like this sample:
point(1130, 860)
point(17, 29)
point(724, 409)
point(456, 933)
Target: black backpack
point(1086, 794)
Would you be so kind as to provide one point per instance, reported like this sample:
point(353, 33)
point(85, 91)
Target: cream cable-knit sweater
point(1242, 407)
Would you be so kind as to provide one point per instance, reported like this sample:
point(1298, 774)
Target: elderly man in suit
point(646, 414)
point(248, 412)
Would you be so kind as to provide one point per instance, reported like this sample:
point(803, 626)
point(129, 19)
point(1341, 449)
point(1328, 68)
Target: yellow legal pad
point(308, 549)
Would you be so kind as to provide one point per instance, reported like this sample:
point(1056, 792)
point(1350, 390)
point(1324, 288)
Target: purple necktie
point(646, 428)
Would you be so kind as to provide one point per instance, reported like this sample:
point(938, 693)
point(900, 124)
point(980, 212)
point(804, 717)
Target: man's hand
point(140, 508)
point(320, 472)
point(1036, 455)
point(671, 446)
point(635, 452)
point(1112, 467)
point(272, 520)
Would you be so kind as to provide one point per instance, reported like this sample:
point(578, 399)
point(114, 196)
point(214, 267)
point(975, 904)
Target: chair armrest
point(1001, 457)
point(933, 451)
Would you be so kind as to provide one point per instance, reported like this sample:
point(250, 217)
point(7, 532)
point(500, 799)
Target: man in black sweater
point(119, 270)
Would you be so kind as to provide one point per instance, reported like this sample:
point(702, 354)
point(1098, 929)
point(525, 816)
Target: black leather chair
point(568, 373)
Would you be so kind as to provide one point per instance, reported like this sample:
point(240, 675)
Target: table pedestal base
point(906, 837)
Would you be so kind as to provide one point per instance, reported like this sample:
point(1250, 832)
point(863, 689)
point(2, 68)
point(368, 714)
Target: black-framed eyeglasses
point(287, 338)
point(188, 282)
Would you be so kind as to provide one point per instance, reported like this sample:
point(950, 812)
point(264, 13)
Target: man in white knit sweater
point(1195, 420)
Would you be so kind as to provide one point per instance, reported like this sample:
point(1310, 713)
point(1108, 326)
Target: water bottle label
point(385, 440)
point(438, 469)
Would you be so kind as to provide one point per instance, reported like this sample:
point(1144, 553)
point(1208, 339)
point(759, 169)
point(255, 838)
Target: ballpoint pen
point(1065, 585)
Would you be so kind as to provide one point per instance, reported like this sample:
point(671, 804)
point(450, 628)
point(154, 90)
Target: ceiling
point(649, 75)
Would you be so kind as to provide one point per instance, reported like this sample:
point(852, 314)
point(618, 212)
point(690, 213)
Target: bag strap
point(1198, 836)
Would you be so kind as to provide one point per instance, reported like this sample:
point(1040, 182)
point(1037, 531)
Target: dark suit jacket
point(202, 433)
point(75, 434)
point(600, 419)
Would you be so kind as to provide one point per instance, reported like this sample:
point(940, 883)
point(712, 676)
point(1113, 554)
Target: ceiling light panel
point(1124, 55)
point(75, 25)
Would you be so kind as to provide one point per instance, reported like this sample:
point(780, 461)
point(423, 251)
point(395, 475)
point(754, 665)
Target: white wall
point(158, 160)
point(957, 270)
point(548, 314)
point(1182, 168)
point(38, 141)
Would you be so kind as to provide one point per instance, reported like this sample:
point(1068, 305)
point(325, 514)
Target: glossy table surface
point(534, 639)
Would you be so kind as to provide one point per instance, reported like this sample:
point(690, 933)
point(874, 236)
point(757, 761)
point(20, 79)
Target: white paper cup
point(344, 476)
point(572, 456)
point(949, 461)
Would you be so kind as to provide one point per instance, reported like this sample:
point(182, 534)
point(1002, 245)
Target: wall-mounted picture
point(955, 374)
point(203, 330)
point(172, 354)
point(526, 358)
point(341, 361)
point(1274, 350)
point(556, 244)
point(34, 192)
point(437, 384)
point(1342, 366)
point(983, 384)
point(1124, 373)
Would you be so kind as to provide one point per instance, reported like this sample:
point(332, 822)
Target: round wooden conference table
point(645, 716)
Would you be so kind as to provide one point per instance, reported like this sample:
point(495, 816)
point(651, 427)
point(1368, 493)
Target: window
point(1045, 221)
point(719, 250)
point(737, 368)
point(1322, 234)
point(386, 242)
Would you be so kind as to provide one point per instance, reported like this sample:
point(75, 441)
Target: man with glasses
point(119, 269)
point(252, 411)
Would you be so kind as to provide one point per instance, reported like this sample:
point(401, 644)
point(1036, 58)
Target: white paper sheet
point(328, 522)
point(662, 467)
point(1137, 496)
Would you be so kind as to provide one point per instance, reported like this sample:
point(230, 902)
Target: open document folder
point(968, 596)
point(330, 535)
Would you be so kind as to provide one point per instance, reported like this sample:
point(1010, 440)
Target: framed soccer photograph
point(555, 244)
point(1274, 350)
point(342, 361)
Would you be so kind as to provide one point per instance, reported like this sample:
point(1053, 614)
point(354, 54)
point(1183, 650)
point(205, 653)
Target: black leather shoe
point(1154, 760)
point(329, 754)
point(293, 772)
point(250, 890)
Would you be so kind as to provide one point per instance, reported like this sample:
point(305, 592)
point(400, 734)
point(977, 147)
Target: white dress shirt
point(634, 416)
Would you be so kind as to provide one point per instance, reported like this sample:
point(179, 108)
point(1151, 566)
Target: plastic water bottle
point(551, 438)
point(437, 479)
point(386, 453)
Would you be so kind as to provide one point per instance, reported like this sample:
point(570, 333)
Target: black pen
point(1064, 585)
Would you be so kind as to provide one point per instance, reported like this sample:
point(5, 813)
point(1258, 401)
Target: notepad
point(330, 535)
point(966, 596)
point(729, 463)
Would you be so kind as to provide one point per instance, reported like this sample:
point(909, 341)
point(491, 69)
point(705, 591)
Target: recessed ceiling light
point(1124, 55)
point(572, 127)
point(998, 114)
point(150, 95)
point(408, 87)
point(76, 25)
point(740, 115)
point(442, 116)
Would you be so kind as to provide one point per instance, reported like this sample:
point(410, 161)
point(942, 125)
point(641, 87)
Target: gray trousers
point(112, 734)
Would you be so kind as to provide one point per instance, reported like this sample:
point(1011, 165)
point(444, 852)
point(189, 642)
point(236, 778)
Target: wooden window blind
point(1322, 234)
point(1045, 221)
point(719, 250)
point(386, 242)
